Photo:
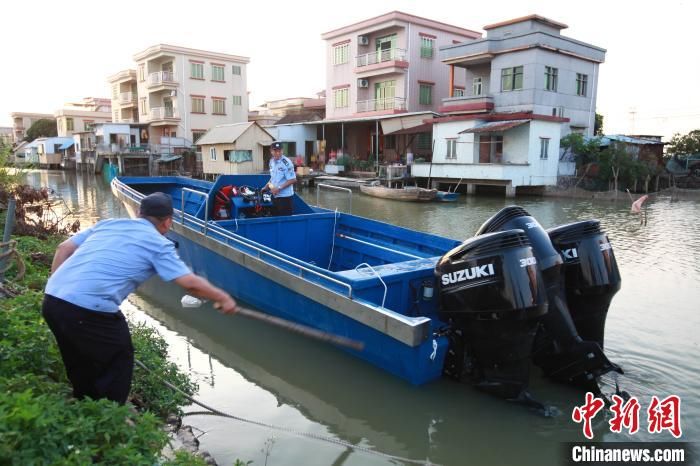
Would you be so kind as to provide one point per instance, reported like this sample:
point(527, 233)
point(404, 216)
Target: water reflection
point(266, 374)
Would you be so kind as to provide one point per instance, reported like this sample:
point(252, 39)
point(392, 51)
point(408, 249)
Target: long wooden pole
point(300, 329)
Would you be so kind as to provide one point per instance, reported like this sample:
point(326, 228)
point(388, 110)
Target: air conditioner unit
point(363, 40)
point(363, 83)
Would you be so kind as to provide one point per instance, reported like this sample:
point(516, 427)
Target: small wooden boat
point(407, 193)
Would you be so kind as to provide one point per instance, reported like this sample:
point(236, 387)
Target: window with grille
point(512, 78)
point(451, 149)
point(217, 72)
point(544, 148)
point(197, 104)
point(550, 78)
point(218, 106)
point(581, 84)
point(196, 70)
point(236, 70)
point(425, 96)
point(341, 97)
point(427, 45)
point(341, 53)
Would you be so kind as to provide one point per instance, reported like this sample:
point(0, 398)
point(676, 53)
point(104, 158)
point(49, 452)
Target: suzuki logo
point(478, 271)
point(569, 254)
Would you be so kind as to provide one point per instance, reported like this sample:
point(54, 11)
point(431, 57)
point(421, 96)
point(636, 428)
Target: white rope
point(335, 221)
point(366, 265)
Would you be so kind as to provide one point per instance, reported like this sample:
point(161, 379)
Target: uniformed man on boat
point(282, 179)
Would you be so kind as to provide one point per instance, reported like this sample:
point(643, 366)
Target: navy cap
point(276, 145)
point(156, 205)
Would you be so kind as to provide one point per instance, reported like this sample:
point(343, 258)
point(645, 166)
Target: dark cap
point(156, 205)
point(276, 145)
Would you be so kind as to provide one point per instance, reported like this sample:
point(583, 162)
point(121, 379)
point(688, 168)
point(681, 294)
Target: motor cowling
point(559, 349)
point(591, 275)
point(492, 295)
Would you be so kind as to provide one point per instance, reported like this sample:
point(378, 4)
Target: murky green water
point(261, 373)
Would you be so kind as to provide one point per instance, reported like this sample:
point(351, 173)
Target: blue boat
point(423, 305)
point(447, 196)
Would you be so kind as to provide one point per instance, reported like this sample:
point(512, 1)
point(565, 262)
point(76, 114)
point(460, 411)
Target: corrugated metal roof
point(493, 126)
point(605, 140)
point(223, 134)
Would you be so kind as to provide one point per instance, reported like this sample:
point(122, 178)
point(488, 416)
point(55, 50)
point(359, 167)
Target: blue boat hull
point(258, 262)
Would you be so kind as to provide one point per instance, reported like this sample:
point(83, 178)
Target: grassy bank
point(40, 423)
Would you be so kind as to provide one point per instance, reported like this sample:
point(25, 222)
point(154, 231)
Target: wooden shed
point(234, 149)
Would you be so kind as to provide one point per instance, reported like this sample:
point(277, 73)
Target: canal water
point(264, 374)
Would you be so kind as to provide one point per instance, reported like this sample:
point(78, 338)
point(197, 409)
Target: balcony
point(163, 115)
point(381, 62)
point(387, 105)
point(467, 104)
point(127, 99)
point(162, 79)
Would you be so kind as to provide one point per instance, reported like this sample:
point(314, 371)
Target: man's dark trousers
point(96, 349)
point(282, 205)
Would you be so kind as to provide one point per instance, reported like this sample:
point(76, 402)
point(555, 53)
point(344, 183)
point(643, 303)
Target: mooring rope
point(324, 438)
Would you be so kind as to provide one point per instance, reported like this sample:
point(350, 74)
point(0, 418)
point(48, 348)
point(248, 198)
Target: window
point(550, 78)
point(115, 92)
point(237, 100)
point(218, 106)
point(238, 156)
point(196, 134)
point(142, 105)
point(581, 84)
point(88, 124)
point(544, 148)
point(115, 116)
point(212, 154)
point(424, 141)
point(341, 53)
point(69, 124)
point(451, 149)
point(426, 47)
point(512, 78)
point(477, 86)
point(236, 70)
point(196, 70)
point(142, 73)
point(197, 104)
point(341, 97)
point(458, 92)
point(217, 72)
point(425, 96)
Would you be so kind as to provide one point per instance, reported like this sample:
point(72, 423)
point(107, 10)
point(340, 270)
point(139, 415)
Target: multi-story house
point(22, 121)
point(527, 86)
point(388, 64)
point(182, 92)
point(82, 116)
point(124, 97)
point(526, 65)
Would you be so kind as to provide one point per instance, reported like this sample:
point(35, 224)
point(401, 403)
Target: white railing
point(161, 113)
point(389, 103)
point(381, 56)
point(127, 97)
point(161, 77)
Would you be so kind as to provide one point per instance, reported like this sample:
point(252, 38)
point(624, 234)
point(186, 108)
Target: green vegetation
point(39, 421)
point(686, 144)
point(40, 129)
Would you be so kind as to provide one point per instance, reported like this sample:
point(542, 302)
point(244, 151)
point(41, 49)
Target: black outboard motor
point(559, 349)
point(591, 276)
point(493, 297)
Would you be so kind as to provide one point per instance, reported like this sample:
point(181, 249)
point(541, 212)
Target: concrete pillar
point(471, 189)
point(510, 191)
point(434, 184)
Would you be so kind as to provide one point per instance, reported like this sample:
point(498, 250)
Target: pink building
point(388, 65)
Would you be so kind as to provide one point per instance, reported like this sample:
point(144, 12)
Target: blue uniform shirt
point(280, 171)
point(113, 258)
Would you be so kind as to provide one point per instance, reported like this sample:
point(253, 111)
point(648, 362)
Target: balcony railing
point(381, 56)
point(389, 103)
point(161, 77)
point(127, 98)
point(161, 113)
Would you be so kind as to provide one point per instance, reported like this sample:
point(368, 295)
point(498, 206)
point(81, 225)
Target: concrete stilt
point(510, 191)
point(471, 189)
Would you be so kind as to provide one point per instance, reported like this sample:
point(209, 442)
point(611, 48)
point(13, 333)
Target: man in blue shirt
point(92, 273)
point(282, 179)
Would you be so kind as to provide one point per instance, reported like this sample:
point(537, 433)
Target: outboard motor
point(591, 276)
point(559, 349)
point(493, 297)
